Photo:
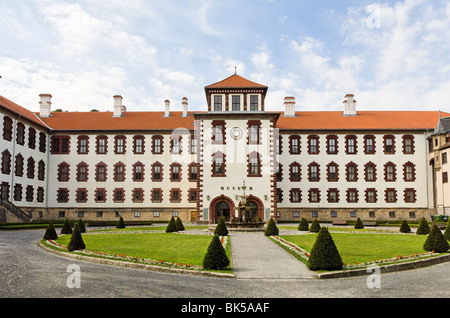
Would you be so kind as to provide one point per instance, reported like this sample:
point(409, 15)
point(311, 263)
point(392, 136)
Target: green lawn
point(171, 247)
point(366, 247)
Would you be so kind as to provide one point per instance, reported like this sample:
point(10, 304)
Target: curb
point(388, 268)
point(135, 265)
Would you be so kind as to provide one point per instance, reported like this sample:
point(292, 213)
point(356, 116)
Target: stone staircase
point(8, 206)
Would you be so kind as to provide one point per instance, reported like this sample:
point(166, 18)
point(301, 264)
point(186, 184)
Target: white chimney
point(185, 106)
point(118, 107)
point(167, 112)
point(289, 106)
point(349, 105)
point(45, 105)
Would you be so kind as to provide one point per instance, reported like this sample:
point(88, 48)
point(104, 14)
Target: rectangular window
point(253, 103)
point(236, 103)
point(175, 173)
point(254, 134)
point(295, 214)
point(82, 145)
point(333, 214)
point(193, 172)
point(157, 144)
point(156, 195)
point(218, 165)
point(217, 103)
point(445, 177)
point(119, 195)
point(120, 145)
point(218, 131)
point(156, 173)
point(137, 214)
point(192, 195)
point(138, 145)
point(60, 145)
point(254, 166)
point(101, 144)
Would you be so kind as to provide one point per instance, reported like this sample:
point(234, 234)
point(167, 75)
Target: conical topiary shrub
point(221, 228)
point(50, 232)
point(404, 228)
point(436, 241)
point(447, 231)
point(315, 226)
point(324, 254)
point(179, 224)
point(215, 257)
point(171, 227)
point(66, 229)
point(423, 228)
point(303, 226)
point(81, 226)
point(120, 224)
point(271, 228)
point(76, 241)
point(359, 224)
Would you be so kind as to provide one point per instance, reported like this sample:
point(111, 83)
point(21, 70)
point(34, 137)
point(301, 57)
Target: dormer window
point(217, 103)
point(236, 103)
point(253, 103)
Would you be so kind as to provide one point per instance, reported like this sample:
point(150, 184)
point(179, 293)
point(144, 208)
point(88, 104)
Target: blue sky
point(391, 55)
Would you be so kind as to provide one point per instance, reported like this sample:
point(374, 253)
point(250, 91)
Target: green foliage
point(171, 227)
point(221, 228)
point(76, 241)
point(66, 229)
point(324, 254)
point(447, 231)
point(436, 241)
point(259, 219)
point(404, 228)
point(50, 232)
point(179, 224)
point(120, 223)
point(315, 226)
point(423, 228)
point(303, 226)
point(358, 224)
point(271, 228)
point(81, 226)
point(215, 257)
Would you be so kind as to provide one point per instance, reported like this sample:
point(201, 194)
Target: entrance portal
point(222, 210)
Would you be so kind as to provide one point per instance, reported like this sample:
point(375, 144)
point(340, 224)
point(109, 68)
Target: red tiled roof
point(129, 121)
point(365, 120)
point(19, 110)
point(236, 81)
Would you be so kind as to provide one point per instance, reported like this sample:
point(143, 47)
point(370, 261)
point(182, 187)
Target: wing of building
point(326, 165)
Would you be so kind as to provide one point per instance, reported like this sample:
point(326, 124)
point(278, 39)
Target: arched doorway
point(221, 206)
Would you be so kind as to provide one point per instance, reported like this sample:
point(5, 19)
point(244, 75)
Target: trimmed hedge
point(303, 226)
point(66, 229)
point(171, 227)
point(179, 224)
point(404, 228)
point(120, 223)
point(221, 228)
point(50, 232)
point(424, 227)
point(436, 241)
point(324, 254)
point(76, 241)
point(315, 226)
point(215, 257)
point(271, 228)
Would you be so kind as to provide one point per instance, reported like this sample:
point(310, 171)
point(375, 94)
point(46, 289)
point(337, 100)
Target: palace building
point(146, 165)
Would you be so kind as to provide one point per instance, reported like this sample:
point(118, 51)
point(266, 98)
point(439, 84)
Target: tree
point(120, 223)
point(215, 257)
point(50, 232)
point(324, 254)
point(81, 226)
point(315, 226)
point(404, 228)
point(179, 224)
point(171, 227)
point(436, 241)
point(66, 229)
point(359, 224)
point(303, 226)
point(221, 228)
point(76, 241)
point(271, 228)
point(423, 228)
point(447, 231)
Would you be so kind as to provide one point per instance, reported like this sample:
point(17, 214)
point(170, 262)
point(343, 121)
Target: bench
point(370, 223)
point(339, 222)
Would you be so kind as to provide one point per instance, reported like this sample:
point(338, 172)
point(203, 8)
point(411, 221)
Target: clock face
point(236, 133)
